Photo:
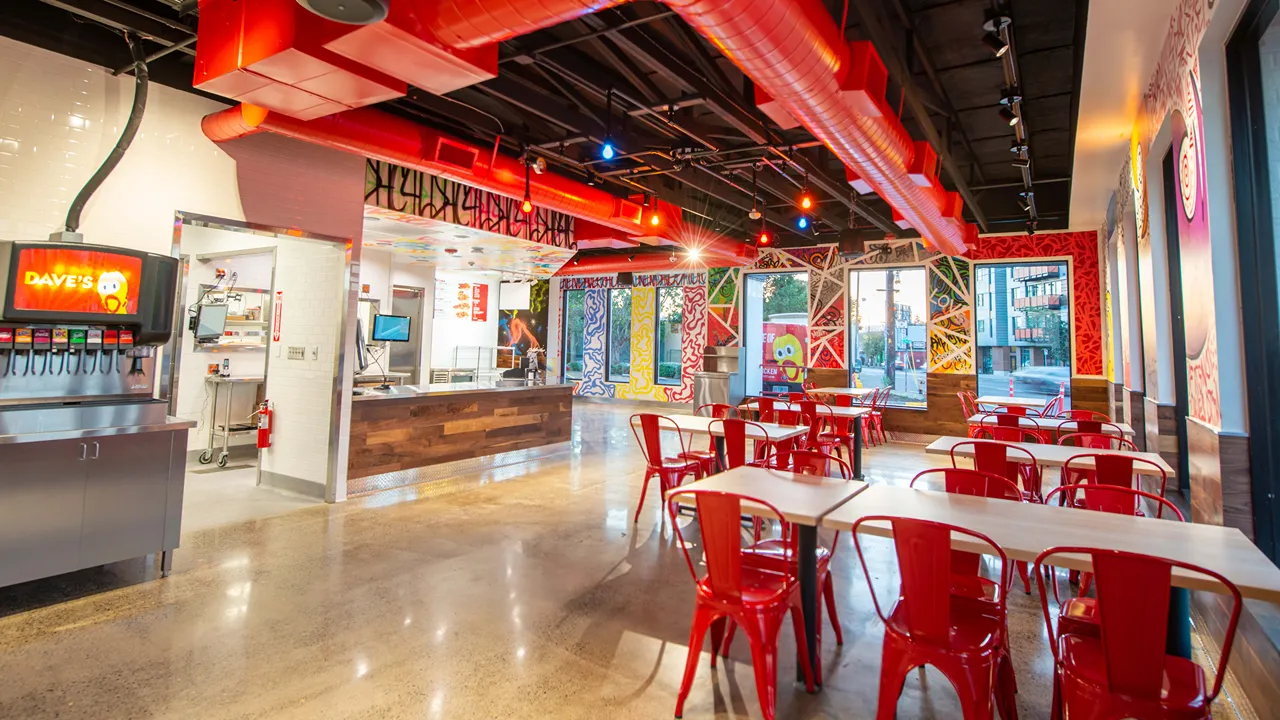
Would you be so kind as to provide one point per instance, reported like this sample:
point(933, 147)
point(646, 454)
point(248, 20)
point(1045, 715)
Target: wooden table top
point(802, 499)
point(1003, 401)
point(698, 425)
point(1053, 455)
point(1048, 423)
point(1024, 530)
point(855, 392)
point(848, 412)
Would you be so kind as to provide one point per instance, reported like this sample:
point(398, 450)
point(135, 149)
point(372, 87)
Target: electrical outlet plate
point(315, 352)
point(297, 353)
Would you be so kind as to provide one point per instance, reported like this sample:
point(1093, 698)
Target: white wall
point(59, 117)
point(449, 332)
point(382, 269)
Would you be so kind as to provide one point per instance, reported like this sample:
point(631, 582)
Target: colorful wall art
point(642, 380)
point(525, 329)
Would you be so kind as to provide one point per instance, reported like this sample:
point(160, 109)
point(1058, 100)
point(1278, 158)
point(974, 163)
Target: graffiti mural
point(643, 324)
point(692, 339)
point(604, 282)
point(951, 348)
point(595, 318)
point(723, 298)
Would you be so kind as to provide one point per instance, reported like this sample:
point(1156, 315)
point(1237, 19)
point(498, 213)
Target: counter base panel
point(397, 434)
point(461, 470)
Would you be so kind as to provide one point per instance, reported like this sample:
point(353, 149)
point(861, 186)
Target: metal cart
point(226, 430)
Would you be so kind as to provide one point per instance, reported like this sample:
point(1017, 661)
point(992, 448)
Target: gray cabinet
point(41, 508)
point(66, 505)
point(126, 481)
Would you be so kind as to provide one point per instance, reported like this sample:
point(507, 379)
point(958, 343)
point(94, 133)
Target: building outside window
point(888, 309)
point(618, 356)
point(575, 319)
point(1024, 331)
point(668, 340)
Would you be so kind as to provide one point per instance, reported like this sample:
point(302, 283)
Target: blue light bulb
point(606, 151)
point(803, 223)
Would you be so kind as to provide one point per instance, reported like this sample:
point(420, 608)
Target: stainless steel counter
point(443, 389)
point(87, 420)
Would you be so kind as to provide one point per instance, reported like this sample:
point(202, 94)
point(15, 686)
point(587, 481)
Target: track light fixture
point(1022, 162)
point(997, 46)
point(1009, 116)
point(526, 206)
point(1010, 96)
point(630, 258)
point(996, 19)
point(592, 178)
point(755, 194)
point(607, 151)
point(1018, 147)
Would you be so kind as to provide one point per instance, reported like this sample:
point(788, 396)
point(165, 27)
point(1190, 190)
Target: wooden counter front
point(401, 433)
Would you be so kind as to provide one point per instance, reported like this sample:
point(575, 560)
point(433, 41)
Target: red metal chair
point(778, 553)
point(1097, 441)
point(707, 458)
point(963, 636)
point(969, 408)
point(1085, 415)
point(1054, 408)
point(670, 471)
point(797, 397)
point(821, 420)
point(1112, 469)
point(963, 481)
point(745, 593)
point(1013, 463)
point(1008, 427)
point(1124, 671)
point(842, 435)
point(765, 408)
point(734, 431)
point(973, 400)
point(1080, 613)
point(873, 422)
point(1089, 426)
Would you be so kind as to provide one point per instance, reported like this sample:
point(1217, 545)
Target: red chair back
point(796, 397)
point(812, 462)
point(843, 400)
point(1086, 415)
point(1111, 469)
point(720, 524)
point(975, 483)
point(1008, 427)
point(788, 416)
point(966, 406)
point(997, 458)
point(1053, 408)
point(924, 564)
point(649, 435)
point(1097, 441)
point(734, 431)
point(1133, 607)
point(717, 410)
point(1111, 499)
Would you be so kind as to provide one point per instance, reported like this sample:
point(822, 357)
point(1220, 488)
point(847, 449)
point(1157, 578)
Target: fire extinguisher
point(264, 424)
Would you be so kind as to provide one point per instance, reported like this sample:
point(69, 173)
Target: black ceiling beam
point(901, 74)
point(628, 68)
point(535, 102)
point(119, 18)
point(528, 55)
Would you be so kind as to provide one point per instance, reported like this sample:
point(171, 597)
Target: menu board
point(76, 281)
point(462, 300)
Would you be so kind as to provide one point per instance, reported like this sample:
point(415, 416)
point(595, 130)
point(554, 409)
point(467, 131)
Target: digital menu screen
point(63, 280)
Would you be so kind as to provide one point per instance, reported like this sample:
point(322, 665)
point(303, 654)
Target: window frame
point(657, 338)
point(608, 334)
point(564, 338)
point(852, 330)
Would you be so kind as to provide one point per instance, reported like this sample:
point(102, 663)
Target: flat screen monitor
point(390, 328)
point(362, 356)
point(211, 322)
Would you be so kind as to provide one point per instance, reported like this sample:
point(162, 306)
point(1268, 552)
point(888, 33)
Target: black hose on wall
point(141, 81)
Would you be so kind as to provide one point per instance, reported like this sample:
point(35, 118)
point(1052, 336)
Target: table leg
point(808, 562)
point(1178, 637)
point(720, 458)
point(857, 448)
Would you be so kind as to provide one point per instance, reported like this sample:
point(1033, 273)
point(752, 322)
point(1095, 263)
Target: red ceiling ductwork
point(473, 23)
point(383, 136)
point(649, 262)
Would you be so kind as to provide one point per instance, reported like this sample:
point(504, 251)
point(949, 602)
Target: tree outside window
point(575, 320)
point(668, 342)
point(619, 350)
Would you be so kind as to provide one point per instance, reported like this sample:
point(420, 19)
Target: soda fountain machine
point(91, 465)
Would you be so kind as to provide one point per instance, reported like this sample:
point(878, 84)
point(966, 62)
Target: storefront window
point(1024, 332)
point(619, 355)
point(887, 315)
point(575, 319)
point(670, 318)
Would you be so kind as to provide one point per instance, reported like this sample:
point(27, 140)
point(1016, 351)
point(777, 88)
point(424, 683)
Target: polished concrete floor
point(216, 496)
point(524, 592)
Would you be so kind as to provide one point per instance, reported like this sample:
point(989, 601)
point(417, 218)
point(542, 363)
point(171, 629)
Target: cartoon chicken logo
point(786, 350)
point(113, 289)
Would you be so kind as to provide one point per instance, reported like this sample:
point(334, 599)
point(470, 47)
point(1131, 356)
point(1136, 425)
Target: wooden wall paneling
point(1206, 473)
point(943, 416)
point(1254, 656)
point(1090, 394)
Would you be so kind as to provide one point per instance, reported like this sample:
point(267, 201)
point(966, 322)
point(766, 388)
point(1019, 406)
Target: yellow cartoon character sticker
point(113, 289)
point(787, 351)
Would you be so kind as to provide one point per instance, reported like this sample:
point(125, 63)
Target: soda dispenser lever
point(93, 344)
point(61, 345)
point(22, 343)
point(42, 342)
point(110, 341)
point(77, 347)
point(6, 347)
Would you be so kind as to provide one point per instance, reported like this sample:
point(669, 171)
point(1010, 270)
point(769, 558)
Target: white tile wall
point(59, 117)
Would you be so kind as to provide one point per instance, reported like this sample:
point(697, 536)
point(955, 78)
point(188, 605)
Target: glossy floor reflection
point(524, 592)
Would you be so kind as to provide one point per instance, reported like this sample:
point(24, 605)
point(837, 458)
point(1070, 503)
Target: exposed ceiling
point(1124, 41)
point(683, 117)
